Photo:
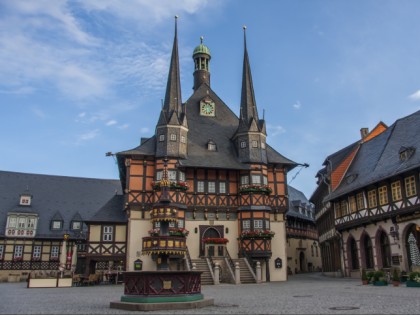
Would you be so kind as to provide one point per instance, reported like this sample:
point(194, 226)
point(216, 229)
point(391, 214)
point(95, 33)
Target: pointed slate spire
point(173, 100)
point(248, 104)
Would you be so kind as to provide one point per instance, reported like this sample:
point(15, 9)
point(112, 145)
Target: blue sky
point(81, 78)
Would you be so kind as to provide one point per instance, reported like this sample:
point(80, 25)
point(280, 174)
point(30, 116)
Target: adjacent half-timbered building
point(226, 181)
point(374, 198)
point(303, 251)
point(37, 212)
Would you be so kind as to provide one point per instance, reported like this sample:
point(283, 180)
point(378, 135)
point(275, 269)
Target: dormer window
point(56, 225)
point(25, 200)
point(173, 137)
point(243, 144)
point(211, 146)
point(161, 138)
point(21, 225)
point(254, 143)
point(76, 225)
point(406, 153)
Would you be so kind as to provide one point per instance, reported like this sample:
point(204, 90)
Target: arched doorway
point(368, 252)
point(209, 232)
point(385, 249)
point(353, 254)
point(302, 262)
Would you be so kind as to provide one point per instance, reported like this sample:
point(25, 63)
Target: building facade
point(226, 182)
point(227, 187)
point(303, 251)
point(373, 197)
point(37, 212)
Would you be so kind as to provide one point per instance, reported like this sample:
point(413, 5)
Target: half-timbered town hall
point(226, 197)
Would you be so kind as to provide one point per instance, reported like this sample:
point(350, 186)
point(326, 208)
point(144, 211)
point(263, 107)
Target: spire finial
point(201, 39)
point(244, 28)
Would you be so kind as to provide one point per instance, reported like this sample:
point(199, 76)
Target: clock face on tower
point(207, 107)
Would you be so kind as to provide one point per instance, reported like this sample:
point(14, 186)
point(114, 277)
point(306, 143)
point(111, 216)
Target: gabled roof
point(112, 211)
point(379, 158)
point(298, 199)
point(61, 195)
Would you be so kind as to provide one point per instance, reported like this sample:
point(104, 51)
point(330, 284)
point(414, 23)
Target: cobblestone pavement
point(302, 294)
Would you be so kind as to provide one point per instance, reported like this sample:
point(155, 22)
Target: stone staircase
point(246, 275)
point(201, 265)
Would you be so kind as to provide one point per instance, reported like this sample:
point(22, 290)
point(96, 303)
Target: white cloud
point(90, 135)
point(415, 96)
point(125, 126)
point(297, 105)
point(144, 130)
point(275, 130)
point(39, 113)
point(111, 122)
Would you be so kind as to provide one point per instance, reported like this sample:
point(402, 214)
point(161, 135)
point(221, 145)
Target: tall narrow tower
point(201, 56)
point(172, 127)
point(250, 137)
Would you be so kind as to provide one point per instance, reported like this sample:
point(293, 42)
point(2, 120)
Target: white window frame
point(265, 180)
point(200, 186)
point(181, 176)
point(55, 251)
point(360, 201)
point(396, 190)
point(243, 144)
point(108, 231)
point(25, 200)
point(31, 223)
point(76, 225)
point(18, 251)
point(372, 202)
point(246, 225)
point(244, 180)
point(21, 223)
point(222, 187)
point(173, 137)
point(256, 179)
point(258, 224)
point(410, 186)
point(172, 175)
point(254, 143)
point(56, 225)
point(36, 251)
point(211, 187)
point(383, 195)
point(12, 222)
point(262, 145)
point(159, 175)
point(161, 138)
point(183, 139)
point(181, 224)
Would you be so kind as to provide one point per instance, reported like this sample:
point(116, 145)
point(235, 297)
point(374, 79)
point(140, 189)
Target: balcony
point(256, 247)
point(170, 245)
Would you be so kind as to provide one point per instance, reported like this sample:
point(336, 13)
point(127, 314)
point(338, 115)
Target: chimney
point(364, 132)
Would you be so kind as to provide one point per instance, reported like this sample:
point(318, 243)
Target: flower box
point(257, 234)
point(412, 284)
point(179, 185)
point(255, 189)
point(380, 283)
point(215, 240)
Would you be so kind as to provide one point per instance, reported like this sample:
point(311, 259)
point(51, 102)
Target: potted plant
point(379, 278)
point(395, 278)
point(369, 275)
point(365, 279)
point(413, 279)
point(403, 277)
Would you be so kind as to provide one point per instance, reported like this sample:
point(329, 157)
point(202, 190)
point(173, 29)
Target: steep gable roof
point(379, 158)
point(53, 195)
